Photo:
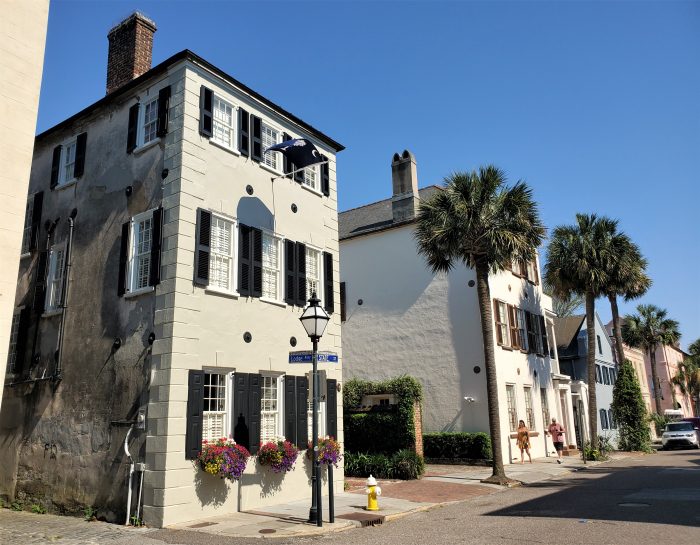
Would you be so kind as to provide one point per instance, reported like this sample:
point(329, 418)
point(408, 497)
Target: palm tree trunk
point(655, 379)
point(592, 400)
point(484, 294)
point(617, 333)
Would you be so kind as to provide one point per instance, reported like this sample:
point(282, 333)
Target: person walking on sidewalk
point(523, 441)
point(556, 430)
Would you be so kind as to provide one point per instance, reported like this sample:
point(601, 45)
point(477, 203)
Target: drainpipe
point(66, 287)
point(131, 474)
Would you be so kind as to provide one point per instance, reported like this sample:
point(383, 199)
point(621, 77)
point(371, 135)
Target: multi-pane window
point(611, 420)
point(537, 334)
point(27, 232)
point(598, 373)
point(529, 412)
point(12, 350)
point(67, 162)
point(269, 409)
point(215, 423)
point(600, 345)
point(150, 121)
point(313, 272)
point(54, 285)
point(513, 324)
point(223, 126)
point(545, 406)
point(603, 419)
point(269, 138)
point(270, 267)
point(532, 275)
point(501, 311)
point(221, 265)
point(140, 262)
point(310, 177)
point(522, 329)
point(606, 375)
point(512, 410)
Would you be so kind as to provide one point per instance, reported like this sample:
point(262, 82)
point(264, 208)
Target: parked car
point(695, 420)
point(680, 434)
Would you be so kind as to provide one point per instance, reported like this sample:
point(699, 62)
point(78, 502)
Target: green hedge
point(462, 445)
point(404, 464)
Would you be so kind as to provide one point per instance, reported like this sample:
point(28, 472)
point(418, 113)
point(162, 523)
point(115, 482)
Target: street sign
point(306, 356)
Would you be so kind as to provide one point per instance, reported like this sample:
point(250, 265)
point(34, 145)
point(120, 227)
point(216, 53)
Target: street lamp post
point(314, 319)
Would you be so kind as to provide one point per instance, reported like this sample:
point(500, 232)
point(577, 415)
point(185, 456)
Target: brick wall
point(130, 50)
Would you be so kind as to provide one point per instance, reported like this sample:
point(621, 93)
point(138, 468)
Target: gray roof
point(374, 217)
point(566, 329)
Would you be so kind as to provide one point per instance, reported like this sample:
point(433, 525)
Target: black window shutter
point(343, 316)
point(257, 138)
point(123, 258)
point(331, 408)
point(156, 244)
point(531, 343)
point(21, 345)
point(286, 163)
point(302, 418)
point(195, 408)
point(133, 125)
point(80, 147)
point(254, 404)
point(290, 410)
point(301, 275)
point(256, 262)
point(244, 260)
point(328, 297)
point(290, 271)
point(244, 132)
point(40, 282)
point(55, 166)
point(36, 219)
point(543, 332)
point(241, 410)
point(163, 111)
point(201, 266)
point(325, 178)
point(206, 111)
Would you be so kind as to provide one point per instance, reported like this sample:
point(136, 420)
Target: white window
point(216, 421)
point(270, 137)
point(512, 409)
point(311, 177)
point(501, 319)
point(223, 128)
point(313, 272)
point(270, 267)
point(529, 412)
point(140, 255)
point(522, 329)
point(270, 405)
point(12, 350)
point(27, 232)
point(537, 332)
point(54, 283)
point(545, 406)
point(149, 126)
point(67, 168)
point(221, 262)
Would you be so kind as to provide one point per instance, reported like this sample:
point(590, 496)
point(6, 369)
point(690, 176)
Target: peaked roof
point(374, 217)
point(566, 329)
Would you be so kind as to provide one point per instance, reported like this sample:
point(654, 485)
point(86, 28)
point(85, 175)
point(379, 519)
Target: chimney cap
point(136, 15)
point(406, 155)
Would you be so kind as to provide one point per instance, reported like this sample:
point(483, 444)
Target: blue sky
point(595, 104)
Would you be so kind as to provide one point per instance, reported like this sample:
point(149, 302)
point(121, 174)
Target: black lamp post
point(314, 319)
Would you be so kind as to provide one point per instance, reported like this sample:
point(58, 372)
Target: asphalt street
point(639, 500)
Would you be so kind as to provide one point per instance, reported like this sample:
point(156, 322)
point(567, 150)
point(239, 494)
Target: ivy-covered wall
point(381, 429)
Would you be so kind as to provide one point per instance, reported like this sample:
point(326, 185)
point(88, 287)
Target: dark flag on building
point(299, 151)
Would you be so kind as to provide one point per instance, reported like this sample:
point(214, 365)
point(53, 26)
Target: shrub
point(407, 465)
point(223, 458)
point(17, 506)
point(460, 445)
point(279, 455)
point(404, 464)
point(659, 422)
point(38, 508)
point(89, 513)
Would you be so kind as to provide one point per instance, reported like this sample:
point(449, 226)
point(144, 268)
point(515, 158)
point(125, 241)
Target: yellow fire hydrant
point(373, 491)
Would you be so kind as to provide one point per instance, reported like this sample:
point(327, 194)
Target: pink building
point(668, 358)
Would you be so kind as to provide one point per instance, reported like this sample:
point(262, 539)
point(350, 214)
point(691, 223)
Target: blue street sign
point(305, 356)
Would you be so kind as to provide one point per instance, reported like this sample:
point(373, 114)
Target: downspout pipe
point(66, 287)
point(131, 474)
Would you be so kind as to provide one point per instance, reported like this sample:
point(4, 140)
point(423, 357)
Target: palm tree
point(688, 377)
point(478, 221)
point(627, 278)
point(579, 259)
point(564, 306)
point(648, 330)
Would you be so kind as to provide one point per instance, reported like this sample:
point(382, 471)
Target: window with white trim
point(67, 162)
point(223, 129)
point(140, 251)
point(313, 273)
point(12, 349)
point(149, 121)
point(270, 137)
point(512, 409)
point(216, 422)
point(271, 267)
point(270, 408)
point(221, 256)
point(522, 329)
point(54, 282)
point(529, 412)
point(27, 231)
point(311, 177)
point(545, 406)
point(502, 334)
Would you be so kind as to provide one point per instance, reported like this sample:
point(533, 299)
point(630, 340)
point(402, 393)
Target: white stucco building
point(400, 318)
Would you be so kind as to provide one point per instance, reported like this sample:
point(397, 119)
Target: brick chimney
point(404, 181)
point(130, 50)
